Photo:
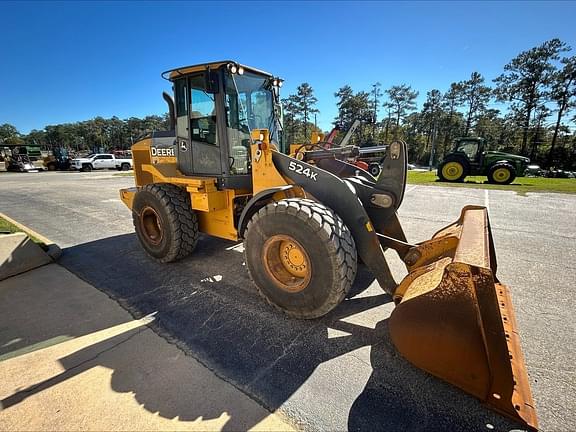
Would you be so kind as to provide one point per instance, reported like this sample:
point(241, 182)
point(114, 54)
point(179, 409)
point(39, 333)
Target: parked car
point(97, 161)
point(558, 173)
point(534, 171)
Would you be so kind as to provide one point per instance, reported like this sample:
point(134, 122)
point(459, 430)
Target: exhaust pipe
point(171, 111)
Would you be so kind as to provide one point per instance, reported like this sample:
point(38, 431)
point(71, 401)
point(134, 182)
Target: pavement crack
point(208, 319)
point(285, 352)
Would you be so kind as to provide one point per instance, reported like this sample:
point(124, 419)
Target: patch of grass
point(9, 228)
point(521, 185)
point(124, 174)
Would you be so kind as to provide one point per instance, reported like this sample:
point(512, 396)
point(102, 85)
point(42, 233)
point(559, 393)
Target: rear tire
point(165, 223)
point(51, 167)
point(301, 257)
point(453, 170)
point(501, 173)
point(125, 167)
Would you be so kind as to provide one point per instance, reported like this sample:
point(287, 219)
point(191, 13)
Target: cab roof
point(185, 70)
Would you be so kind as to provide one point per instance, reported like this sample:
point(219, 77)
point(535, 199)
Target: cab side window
point(181, 101)
point(202, 112)
point(470, 148)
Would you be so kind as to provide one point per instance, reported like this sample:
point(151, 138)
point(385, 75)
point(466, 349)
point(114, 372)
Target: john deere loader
point(306, 222)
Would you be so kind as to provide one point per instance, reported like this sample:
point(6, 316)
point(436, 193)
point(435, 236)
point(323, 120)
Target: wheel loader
point(307, 222)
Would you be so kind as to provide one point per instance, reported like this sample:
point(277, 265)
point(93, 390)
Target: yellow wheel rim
point(501, 175)
point(151, 225)
point(452, 170)
point(287, 263)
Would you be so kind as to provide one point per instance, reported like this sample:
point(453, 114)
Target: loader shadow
point(207, 306)
point(156, 385)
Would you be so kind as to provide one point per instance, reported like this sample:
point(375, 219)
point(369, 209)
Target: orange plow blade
point(455, 320)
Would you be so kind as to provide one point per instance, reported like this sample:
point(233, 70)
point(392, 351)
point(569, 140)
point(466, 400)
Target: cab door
point(197, 143)
point(203, 131)
point(99, 162)
point(108, 161)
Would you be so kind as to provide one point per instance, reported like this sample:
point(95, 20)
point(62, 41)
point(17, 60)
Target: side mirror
point(211, 81)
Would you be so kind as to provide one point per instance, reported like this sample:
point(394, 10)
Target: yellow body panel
point(219, 223)
point(264, 172)
point(127, 196)
point(210, 201)
point(215, 207)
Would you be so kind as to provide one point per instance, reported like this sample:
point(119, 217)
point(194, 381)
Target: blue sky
point(70, 61)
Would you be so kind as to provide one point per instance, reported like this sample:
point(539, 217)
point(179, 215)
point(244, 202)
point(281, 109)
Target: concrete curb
point(53, 250)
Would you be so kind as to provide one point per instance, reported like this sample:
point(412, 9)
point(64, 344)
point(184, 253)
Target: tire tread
point(336, 237)
point(182, 220)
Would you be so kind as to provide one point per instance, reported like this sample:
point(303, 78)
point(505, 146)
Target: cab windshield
point(249, 105)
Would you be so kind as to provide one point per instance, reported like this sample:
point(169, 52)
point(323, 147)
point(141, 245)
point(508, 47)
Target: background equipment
point(307, 220)
point(470, 159)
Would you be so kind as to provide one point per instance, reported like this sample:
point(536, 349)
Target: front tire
point(165, 223)
point(301, 257)
point(86, 168)
point(502, 173)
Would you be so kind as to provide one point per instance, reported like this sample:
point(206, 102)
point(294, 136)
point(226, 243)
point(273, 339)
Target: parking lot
point(339, 372)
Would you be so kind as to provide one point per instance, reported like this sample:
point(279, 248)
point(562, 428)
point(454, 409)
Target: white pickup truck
point(101, 161)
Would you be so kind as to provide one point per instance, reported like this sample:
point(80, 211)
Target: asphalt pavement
point(339, 372)
point(86, 364)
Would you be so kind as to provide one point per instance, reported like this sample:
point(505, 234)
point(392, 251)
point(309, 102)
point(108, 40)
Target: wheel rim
point(452, 170)
point(287, 263)
point(501, 175)
point(151, 225)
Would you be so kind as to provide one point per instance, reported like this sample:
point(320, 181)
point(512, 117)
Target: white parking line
point(486, 199)
point(410, 189)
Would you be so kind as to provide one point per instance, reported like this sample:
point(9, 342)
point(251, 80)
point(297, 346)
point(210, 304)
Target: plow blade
point(455, 320)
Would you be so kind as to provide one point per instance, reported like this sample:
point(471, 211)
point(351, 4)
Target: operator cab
point(217, 105)
point(471, 147)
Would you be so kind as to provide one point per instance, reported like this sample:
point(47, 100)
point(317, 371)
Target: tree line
point(537, 90)
point(98, 133)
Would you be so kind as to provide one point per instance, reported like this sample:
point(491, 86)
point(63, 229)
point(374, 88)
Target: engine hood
point(509, 156)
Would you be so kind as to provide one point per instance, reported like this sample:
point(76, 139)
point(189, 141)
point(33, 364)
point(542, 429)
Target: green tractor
point(470, 158)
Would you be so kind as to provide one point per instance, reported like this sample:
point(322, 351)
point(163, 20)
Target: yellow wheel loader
point(306, 221)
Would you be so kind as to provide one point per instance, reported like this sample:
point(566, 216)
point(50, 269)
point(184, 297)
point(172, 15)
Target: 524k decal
point(299, 169)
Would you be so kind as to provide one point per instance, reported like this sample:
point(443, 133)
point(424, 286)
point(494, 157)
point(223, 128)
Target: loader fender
point(257, 201)
point(341, 196)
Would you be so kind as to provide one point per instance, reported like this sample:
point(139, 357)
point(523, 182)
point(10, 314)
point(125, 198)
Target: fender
point(502, 161)
point(341, 196)
point(252, 207)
